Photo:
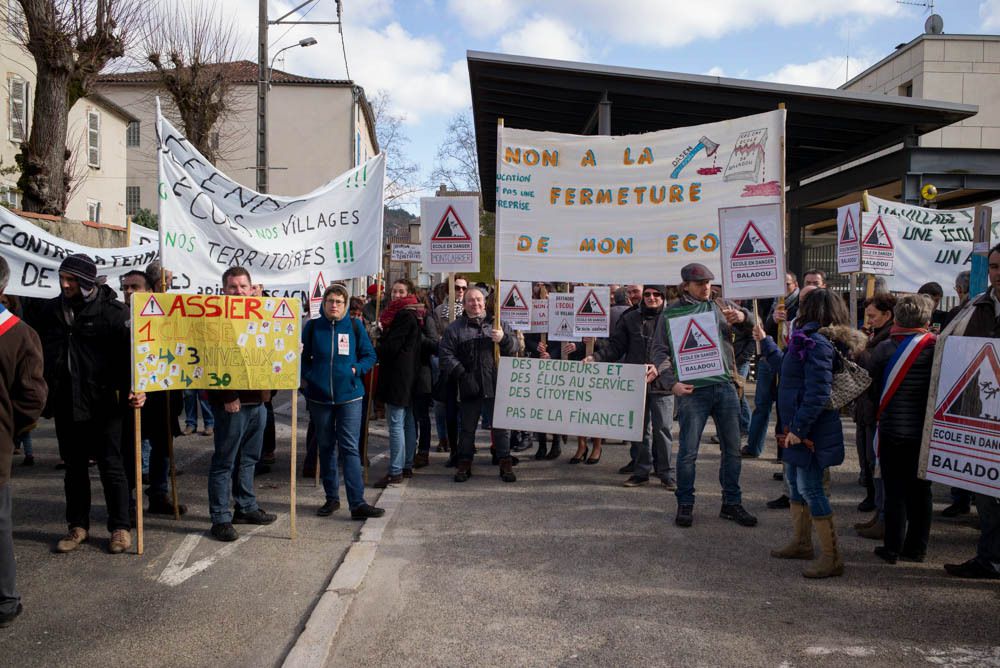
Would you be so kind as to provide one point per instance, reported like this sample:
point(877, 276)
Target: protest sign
point(631, 208)
point(210, 223)
point(961, 447)
point(753, 251)
point(539, 316)
point(982, 236)
point(695, 342)
point(405, 253)
point(449, 230)
point(205, 342)
point(562, 314)
point(931, 244)
point(317, 286)
point(515, 304)
point(34, 256)
point(592, 310)
point(566, 397)
point(878, 248)
point(849, 238)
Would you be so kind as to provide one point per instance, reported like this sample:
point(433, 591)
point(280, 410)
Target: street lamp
point(304, 42)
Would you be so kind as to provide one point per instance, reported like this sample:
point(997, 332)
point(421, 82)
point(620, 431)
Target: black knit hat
point(82, 267)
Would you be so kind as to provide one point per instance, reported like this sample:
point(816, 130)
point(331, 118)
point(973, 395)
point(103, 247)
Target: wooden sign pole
point(294, 462)
point(784, 232)
point(138, 480)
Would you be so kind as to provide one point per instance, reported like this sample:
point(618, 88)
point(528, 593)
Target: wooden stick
point(870, 286)
point(496, 320)
point(371, 396)
point(784, 232)
point(756, 316)
point(294, 459)
point(138, 480)
point(853, 298)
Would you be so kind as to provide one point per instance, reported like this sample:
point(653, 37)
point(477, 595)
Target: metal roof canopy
point(825, 128)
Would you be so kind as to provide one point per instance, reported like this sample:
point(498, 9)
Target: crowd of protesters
point(427, 359)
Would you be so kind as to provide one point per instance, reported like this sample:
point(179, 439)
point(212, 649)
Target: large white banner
point(753, 251)
point(575, 398)
point(628, 209)
point(210, 222)
point(34, 257)
point(931, 244)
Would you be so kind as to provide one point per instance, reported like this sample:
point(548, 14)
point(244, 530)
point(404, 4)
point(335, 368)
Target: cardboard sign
point(878, 247)
point(962, 446)
point(406, 253)
point(592, 310)
point(849, 238)
point(214, 342)
point(753, 256)
point(562, 314)
point(450, 233)
point(696, 344)
point(982, 238)
point(539, 316)
point(515, 304)
point(565, 397)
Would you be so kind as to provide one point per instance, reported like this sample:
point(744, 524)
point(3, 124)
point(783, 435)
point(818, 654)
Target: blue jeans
point(720, 401)
point(238, 439)
point(654, 449)
point(191, 402)
point(402, 437)
point(24, 442)
point(337, 428)
point(763, 397)
point(744, 370)
point(805, 485)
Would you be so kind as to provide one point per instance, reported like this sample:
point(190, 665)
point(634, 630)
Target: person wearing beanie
point(85, 341)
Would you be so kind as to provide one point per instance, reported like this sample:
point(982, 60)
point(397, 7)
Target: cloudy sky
point(415, 49)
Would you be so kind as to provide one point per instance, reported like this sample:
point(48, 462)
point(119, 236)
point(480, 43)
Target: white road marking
point(176, 572)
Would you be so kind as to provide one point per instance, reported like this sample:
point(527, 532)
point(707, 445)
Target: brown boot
point(507, 470)
point(858, 526)
point(421, 459)
point(874, 532)
point(801, 546)
point(830, 563)
point(463, 471)
point(121, 540)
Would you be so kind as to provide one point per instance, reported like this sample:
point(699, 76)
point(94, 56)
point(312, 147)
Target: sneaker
point(225, 532)
point(121, 540)
point(253, 517)
point(738, 514)
point(161, 505)
point(670, 484)
point(779, 503)
point(635, 481)
point(72, 540)
point(628, 469)
point(973, 569)
point(365, 511)
point(956, 509)
point(328, 508)
point(388, 479)
point(7, 618)
point(208, 431)
point(685, 515)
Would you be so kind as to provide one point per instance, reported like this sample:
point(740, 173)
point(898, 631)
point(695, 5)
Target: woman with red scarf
point(399, 354)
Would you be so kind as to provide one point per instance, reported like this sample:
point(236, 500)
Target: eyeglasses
point(460, 287)
point(336, 301)
point(652, 294)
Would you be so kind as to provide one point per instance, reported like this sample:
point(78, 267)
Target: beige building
point(317, 129)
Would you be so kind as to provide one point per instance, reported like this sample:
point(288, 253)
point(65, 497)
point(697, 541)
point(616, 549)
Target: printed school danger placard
point(753, 262)
point(450, 233)
point(694, 339)
point(849, 238)
point(562, 313)
point(318, 285)
point(592, 314)
point(515, 304)
point(963, 445)
point(878, 249)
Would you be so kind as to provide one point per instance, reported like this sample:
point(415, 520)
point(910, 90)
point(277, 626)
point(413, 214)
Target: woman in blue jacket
point(336, 354)
point(814, 439)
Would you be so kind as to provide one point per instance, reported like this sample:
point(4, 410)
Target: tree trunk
point(44, 181)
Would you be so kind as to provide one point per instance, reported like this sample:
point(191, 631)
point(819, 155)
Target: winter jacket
point(631, 341)
point(22, 386)
point(400, 352)
point(466, 354)
point(330, 377)
point(866, 405)
point(87, 362)
point(903, 417)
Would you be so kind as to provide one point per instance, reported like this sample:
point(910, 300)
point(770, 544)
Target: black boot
point(542, 449)
point(555, 452)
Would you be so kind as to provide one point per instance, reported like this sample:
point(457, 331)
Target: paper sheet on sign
point(539, 316)
point(515, 304)
point(878, 243)
point(449, 230)
point(562, 312)
point(849, 238)
point(753, 251)
point(592, 310)
point(200, 342)
point(696, 344)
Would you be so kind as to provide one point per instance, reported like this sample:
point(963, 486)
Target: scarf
point(395, 306)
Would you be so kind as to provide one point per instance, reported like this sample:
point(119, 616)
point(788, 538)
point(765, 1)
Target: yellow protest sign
point(214, 342)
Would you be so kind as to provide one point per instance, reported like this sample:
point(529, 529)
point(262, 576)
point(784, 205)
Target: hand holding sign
point(682, 389)
point(758, 332)
point(733, 316)
point(496, 335)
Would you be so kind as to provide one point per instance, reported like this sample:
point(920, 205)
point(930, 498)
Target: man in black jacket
point(85, 339)
point(466, 354)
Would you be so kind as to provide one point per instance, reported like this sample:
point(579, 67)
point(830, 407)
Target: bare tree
point(188, 46)
point(457, 165)
point(400, 172)
point(71, 42)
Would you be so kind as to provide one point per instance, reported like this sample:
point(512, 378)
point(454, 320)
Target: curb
point(315, 642)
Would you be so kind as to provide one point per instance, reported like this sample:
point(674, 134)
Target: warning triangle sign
point(151, 308)
point(283, 312)
point(591, 305)
point(752, 244)
point(695, 339)
point(318, 287)
point(515, 300)
point(850, 229)
point(974, 400)
point(878, 236)
point(565, 328)
point(450, 228)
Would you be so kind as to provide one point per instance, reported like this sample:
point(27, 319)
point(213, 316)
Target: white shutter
point(18, 116)
point(94, 139)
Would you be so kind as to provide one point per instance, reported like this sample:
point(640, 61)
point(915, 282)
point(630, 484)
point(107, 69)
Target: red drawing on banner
point(283, 312)
point(151, 308)
point(450, 228)
point(695, 339)
point(591, 306)
point(878, 236)
point(974, 400)
point(752, 244)
point(515, 300)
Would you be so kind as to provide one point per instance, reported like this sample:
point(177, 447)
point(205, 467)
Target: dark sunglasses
point(652, 294)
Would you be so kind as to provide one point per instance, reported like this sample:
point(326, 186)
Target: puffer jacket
point(466, 354)
point(328, 376)
point(903, 417)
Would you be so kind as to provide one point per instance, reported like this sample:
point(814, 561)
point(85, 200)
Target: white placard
point(753, 251)
point(562, 311)
point(592, 310)
point(878, 243)
point(565, 397)
point(406, 253)
point(631, 208)
point(449, 230)
point(539, 316)
point(515, 304)
point(849, 238)
point(695, 342)
point(962, 446)
point(317, 286)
